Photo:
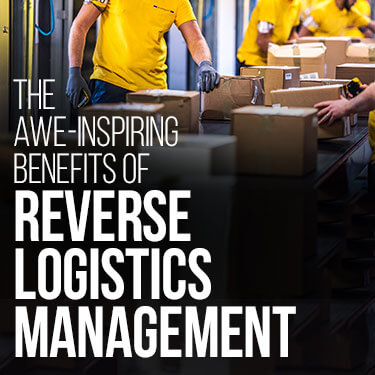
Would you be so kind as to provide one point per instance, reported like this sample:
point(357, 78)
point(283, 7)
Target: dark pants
point(104, 92)
point(240, 65)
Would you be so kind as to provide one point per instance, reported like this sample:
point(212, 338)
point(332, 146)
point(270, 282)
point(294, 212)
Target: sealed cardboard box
point(312, 82)
point(329, 82)
point(194, 155)
point(336, 51)
point(365, 72)
point(275, 77)
point(232, 93)
point(308, 97)
point(360, 53)
point(310, 57)
point(275, 141)
point(184, 105)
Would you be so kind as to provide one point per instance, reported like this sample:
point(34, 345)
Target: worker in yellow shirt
point(131, 51)
point(307, 6)
point(271, 21)
point(364, 102)
point(363, 6)
point(332, 18)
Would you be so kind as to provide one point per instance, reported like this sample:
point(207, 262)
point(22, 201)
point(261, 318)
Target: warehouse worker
point(131, 51)
point(333, 17)
point(364, 102)
point(306, 7)
point(363, 6)
point(271, 21)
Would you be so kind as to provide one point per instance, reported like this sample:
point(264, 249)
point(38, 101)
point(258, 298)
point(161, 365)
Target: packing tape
point(227, 109)
point(296, 55)
point(255, 94)
point(227, 83)
point(371, 53)
point(261, 72)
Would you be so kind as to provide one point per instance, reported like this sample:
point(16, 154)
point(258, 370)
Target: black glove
point(208, 77)
point(75, 85)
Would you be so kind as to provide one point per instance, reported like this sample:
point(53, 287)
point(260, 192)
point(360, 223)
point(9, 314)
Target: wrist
point(75, 70)
point(347, 108)
point(205, 62)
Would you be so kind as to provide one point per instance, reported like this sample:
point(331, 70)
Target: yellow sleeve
point(358, 19)
point(100, 4)
point(266, 11)
point(314, 20)
point(184, 13)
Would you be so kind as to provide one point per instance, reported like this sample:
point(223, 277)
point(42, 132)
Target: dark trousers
point(104, 92)
point(240, 65)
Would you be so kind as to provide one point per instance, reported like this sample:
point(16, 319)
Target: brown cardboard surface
point(275, 141)
point(275, 77)
point(336, 49)
point(323, 82)
point(310, 57)
point(360, 53)
point(308, 97)
point(233, 92)
point(184, 105)
point(365, 72)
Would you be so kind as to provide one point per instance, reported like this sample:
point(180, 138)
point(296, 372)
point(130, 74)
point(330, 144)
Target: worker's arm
point(305, 32)
point(293, 34)
point(77, 37)
point(208, 78)
point(263, 40)
point(371, 26)
point(335, 109)
point(77, 40)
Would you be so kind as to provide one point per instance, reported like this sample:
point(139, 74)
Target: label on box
point(288, 76)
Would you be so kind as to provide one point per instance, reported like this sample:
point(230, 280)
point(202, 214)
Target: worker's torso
point(131, 50)
point(363, 6)
point(331, 20)
point(286, 13)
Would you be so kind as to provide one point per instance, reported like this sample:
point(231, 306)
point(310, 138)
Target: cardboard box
point(360, 53)
point(184, 105)
point(275, 77)
point(308, 97)
point(323, 82)
point(310, 57)
point(336, 50)
point(329, 82)
point(275, 141)
point(365, 72)
point(194, 155)
point(232, 93)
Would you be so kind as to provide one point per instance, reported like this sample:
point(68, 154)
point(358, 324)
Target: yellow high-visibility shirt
point(131, 50)
point(364, 7)
point(282, 14)
point(326, 19)
point(307, 6)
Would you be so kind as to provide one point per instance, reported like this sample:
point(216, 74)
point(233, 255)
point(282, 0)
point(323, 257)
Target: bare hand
point(332, 110)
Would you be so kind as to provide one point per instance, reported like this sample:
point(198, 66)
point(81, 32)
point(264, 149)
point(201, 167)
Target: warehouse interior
point(295, 224)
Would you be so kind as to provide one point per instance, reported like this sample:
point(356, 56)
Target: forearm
point(364, 102)
point(77, 41)
point(199, 50)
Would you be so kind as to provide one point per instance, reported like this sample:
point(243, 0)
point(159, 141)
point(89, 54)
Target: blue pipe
point(52, 22)
point(210, 11)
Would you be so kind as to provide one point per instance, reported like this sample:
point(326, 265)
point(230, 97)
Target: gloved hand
point(208, 77)
point(75, 85)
